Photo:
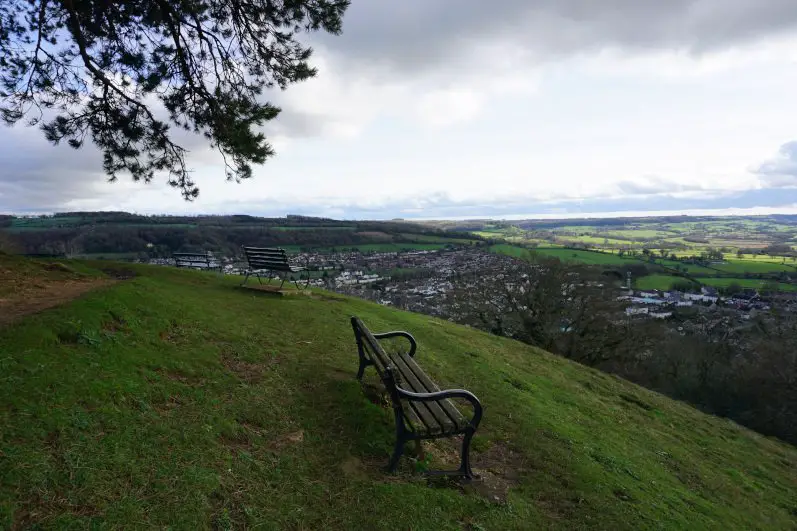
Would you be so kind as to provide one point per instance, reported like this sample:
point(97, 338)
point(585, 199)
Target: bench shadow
point(356, 426)
point(266, 291)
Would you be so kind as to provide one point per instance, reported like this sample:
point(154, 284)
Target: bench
point(269, 260)
point(196, 260)
point(421, 409)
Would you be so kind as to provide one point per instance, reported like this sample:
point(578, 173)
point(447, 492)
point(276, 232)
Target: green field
point(752, 266)
point(692, 269)
point(732, 232)
point(595, 240)
point(745, 283)
point(509, 250)
point(426, 238)
point(585, 257)
point(664, 282)
point(178, 400)
point(631, 234)
point(659, 282)
point(284, 228)
point(395, 247)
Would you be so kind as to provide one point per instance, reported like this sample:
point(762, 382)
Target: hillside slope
point(178, 399)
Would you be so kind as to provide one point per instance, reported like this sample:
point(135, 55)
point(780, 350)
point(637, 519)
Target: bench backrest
point(201, 260)
point(272, 258)
point(369, 345)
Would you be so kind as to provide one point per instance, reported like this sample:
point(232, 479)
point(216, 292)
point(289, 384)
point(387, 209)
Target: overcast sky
point(467, 108)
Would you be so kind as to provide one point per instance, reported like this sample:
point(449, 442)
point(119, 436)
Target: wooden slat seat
point(421, 409)
point(266, 260)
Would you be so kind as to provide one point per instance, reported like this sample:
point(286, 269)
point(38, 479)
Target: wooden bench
point(422, 410)
point(196, 260)
point(269, 260)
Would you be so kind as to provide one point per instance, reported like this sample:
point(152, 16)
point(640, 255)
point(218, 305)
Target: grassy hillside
point(178, 399)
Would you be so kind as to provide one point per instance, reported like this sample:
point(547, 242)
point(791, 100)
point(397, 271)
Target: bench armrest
point(406, 335)
point(442, 395)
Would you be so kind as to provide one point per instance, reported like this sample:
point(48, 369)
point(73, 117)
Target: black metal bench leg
point(363, 364)
point(245, 278)
point(464, 468)
point(398, 450)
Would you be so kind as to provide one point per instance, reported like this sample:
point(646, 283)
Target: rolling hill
point(166, 398)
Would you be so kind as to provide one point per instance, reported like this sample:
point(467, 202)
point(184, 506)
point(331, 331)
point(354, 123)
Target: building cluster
point(421, 281)
point(662, 304)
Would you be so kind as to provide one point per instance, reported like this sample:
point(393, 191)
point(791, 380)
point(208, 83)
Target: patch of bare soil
point(287, 439)
point(499, 468)
point(25, 295)
point(246, 371)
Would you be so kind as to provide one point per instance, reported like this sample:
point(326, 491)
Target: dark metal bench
point(421, 409)
point(269, 260)
point(196, 260)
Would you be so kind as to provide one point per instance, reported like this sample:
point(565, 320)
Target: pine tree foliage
point(123, 74)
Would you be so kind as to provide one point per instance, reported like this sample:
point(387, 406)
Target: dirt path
point(23, 293)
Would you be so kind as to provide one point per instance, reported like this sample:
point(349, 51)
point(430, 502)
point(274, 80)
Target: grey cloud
point(780, 171)
point(415, 34)
point(36, 176)
point(654, 185)
point(442, 206)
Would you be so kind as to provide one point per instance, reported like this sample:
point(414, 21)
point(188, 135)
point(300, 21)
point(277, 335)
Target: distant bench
point(197, 260)
point(269, 260)
point(422, 410)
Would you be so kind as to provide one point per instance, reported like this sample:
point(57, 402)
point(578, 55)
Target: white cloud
point(431, 106)
point(780, 171)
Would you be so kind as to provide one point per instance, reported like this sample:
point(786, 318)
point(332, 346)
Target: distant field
point(664, 282)
point(586, 257)
point(744, 282)
point(752, 266)
point(383, 247)
point(306, 228)
point(659, 282)
point(690, 268)
point(45, 222)
point(597, 240)
point(426, 238)
point(509, 250)
point(640, 233)
point(495, 234)
point(752, 244)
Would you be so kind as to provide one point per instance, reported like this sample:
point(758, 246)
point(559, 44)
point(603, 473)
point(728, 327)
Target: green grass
point(664, 282)
point(395, 247)
point(659, 282)
point(178, 400)
point(284, 228)
point(690, 268)
point(596, 240)
point(109, 256)
point(585, 257)
point(752, 266)
point(509, 250)
point(428, 238)
point(745, 282)
point(638, 233)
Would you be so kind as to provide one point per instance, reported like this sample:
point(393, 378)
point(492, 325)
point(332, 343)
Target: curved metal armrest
point(442, 395)
point(406, 335)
